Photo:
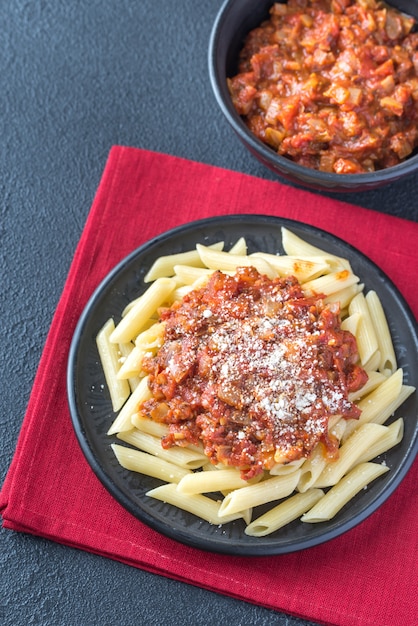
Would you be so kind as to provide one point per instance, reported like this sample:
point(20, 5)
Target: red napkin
point(367, 576)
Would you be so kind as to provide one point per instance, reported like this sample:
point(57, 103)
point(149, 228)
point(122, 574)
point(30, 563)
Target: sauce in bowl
point(332, 84)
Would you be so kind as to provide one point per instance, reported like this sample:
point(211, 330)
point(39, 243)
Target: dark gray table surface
point(77, 77)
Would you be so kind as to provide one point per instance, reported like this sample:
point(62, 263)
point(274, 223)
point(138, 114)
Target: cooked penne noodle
point(296, 246)
point(138, 461)
point(134, 382)
point(366, 336)
point(239, 247)
point(189, 274)
point(303, 269)
point(207, 482)
point(375, 379)
point(406, 391)
point(109, 354)
point(379, 405)
point(125, 350)
point(219, 466)
point(133, 322)
point(338, 429)
point(197, 504)
point(361, 439)
point(123, 419)
point(390, 439)
point(351, 323)
point(183, 457)
point(133, 303)
point(179, 293)
point(224, 261)
point(268, 490)
point(145, 425)
point(283, 513)
point(387, 353)
point(151, 338)
point(312, 469)
point(344, 296)
point(330, 283)
point(209, 467)
point(312, 489)
point(132, 364)
point(338, 496)
point(313, 466)
point(164, 265)
point(333, 421)
point(281, 469)
point(373, 363)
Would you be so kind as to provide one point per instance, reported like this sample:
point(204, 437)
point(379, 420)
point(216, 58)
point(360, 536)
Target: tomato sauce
point(332, 84)
point(252, 369)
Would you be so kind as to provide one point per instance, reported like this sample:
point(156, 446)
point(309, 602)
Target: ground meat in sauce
point(254, 370)
point(332, 84)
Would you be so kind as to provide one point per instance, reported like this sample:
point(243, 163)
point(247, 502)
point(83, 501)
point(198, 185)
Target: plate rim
point(179, 534)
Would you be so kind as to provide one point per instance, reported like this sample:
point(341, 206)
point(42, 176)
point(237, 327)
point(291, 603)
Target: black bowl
point(235, 19)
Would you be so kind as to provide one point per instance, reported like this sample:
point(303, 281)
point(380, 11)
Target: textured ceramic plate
point(91, 409)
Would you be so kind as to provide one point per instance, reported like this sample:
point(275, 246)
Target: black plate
point(91, 409)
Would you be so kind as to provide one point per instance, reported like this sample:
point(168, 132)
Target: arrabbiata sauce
point(332, 84)
point(253, 369)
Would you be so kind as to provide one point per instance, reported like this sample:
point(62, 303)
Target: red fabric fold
point(367, 576)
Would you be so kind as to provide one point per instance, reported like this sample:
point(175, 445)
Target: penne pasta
point(164, 265)
point(344, 296)
point(110, 358)
point(183, 457)
point(337, 497)
point(133, 378)
point(189, 275)
point(331, 283)
point(366, 336)
point(145, 425)
point(131, 367)
point(266, 491)
point(391, 438)
point(226, 262)
point(373, 363)
point(382, 416)
point(179, 293)
point(152, 338)
point(361, 440)
point(239, 247)
point(387, 362)
point(296, 246)
point(375, 379)
point(313, 467)
point(197, 504)
point(280, 469)
point(379, 405)
point(283, 513)
point(311, 487)
point(209, 467)
point(134, 321)
point(351, 323)
point(123, 419)
point(304, 269)
point(207, 482)
point(137, 461)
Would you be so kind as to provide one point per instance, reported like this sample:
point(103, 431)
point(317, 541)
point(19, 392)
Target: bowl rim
point(281, 164)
